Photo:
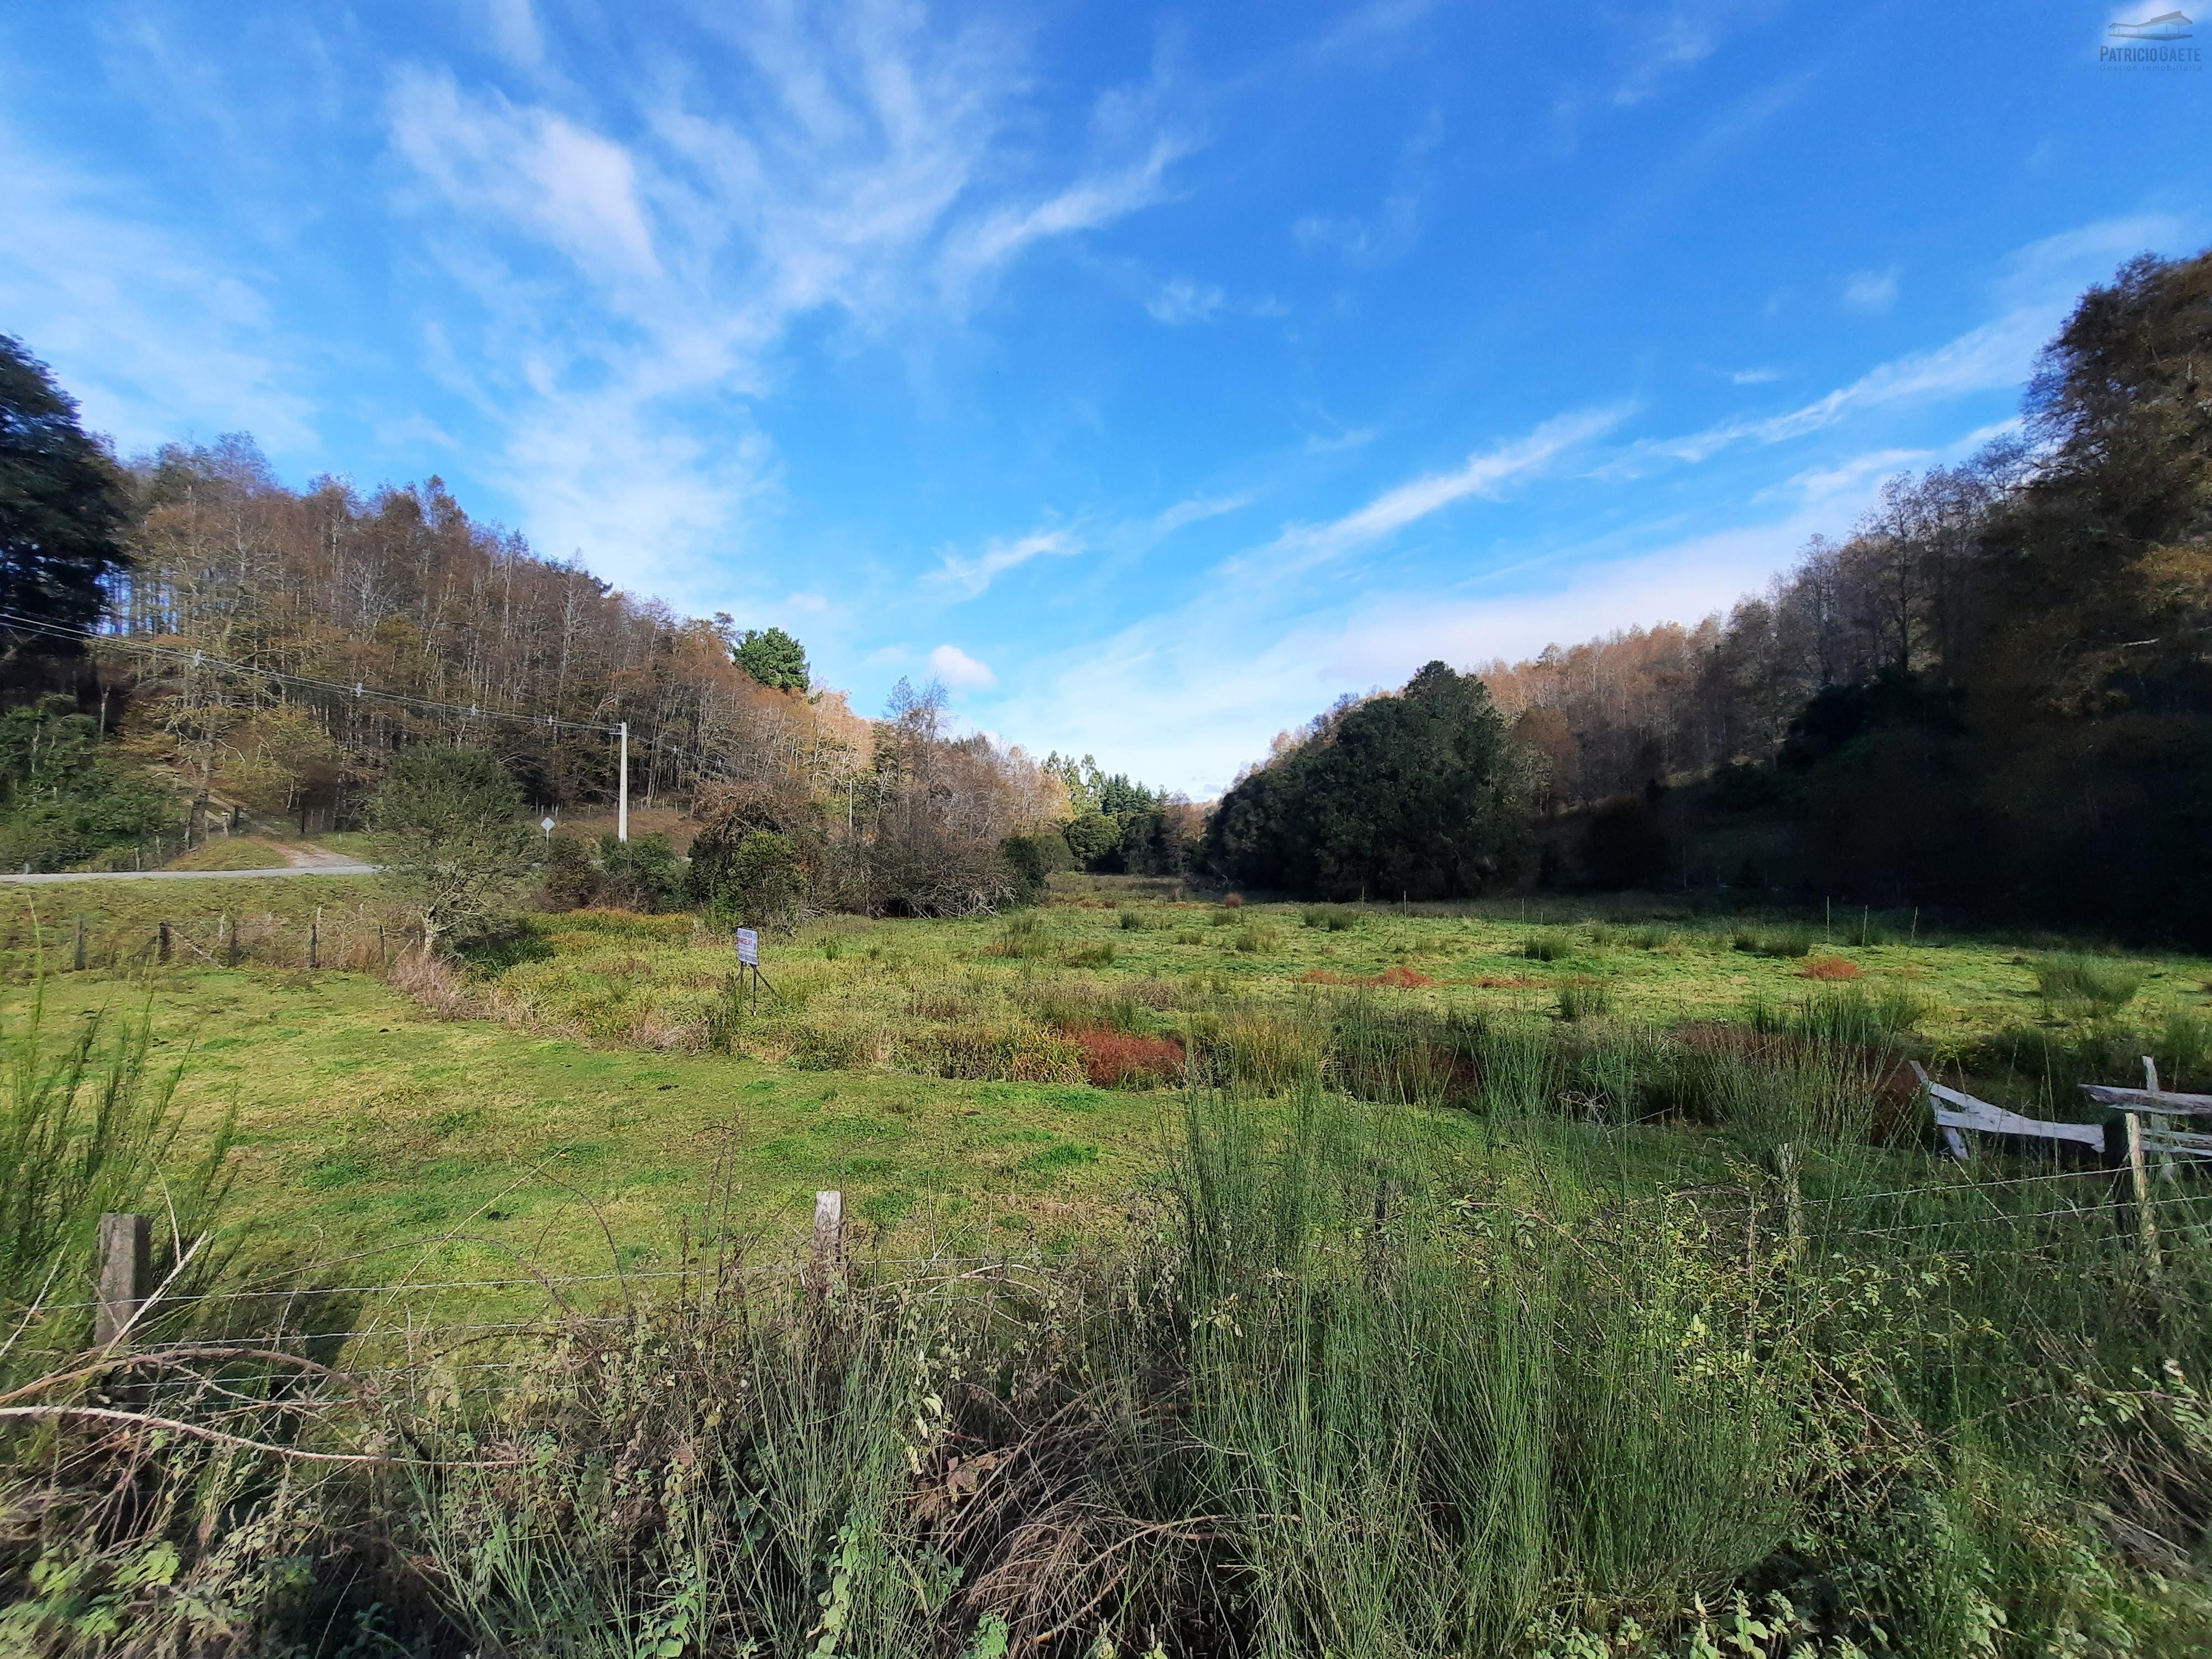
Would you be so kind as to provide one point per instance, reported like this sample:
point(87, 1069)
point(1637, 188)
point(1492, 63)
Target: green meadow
point(998, 1083)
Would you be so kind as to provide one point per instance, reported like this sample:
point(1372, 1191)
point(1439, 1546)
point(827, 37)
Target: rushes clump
point(2086, 985)
point(1329, 918)
point(1023, 936)
point(1546, 947)
point(1584, 998)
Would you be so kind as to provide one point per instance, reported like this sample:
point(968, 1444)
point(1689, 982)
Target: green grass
point(229, 853)
point(908, 1061)
point(1456, 1307)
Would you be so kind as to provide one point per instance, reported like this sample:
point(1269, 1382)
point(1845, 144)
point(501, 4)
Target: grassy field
point(957, 1079)
point(1458, 1307)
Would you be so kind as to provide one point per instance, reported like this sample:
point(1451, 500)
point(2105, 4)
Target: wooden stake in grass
point(829, 1240)
point(1787, 1161)
point(123, 1262)
point(2139, 1179)
point(80, 944)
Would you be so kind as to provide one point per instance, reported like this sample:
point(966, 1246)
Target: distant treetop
point(774, 657)
point(62, 503)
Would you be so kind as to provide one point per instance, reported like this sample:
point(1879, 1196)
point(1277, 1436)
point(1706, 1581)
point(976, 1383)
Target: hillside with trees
point(1993, 695)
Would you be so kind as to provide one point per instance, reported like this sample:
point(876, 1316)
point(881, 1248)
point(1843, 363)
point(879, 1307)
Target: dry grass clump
point(1124, 1060)
point(431, 980)
point(1830, 968)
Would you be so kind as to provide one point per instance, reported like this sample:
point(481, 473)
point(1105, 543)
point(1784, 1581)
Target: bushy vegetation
point(1418, 794)
point(67, 799)
point(1358, 1385)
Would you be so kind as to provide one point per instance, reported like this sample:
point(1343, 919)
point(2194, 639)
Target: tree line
point(1994, 693)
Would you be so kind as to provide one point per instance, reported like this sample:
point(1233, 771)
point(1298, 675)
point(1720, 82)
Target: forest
point(1993, 695)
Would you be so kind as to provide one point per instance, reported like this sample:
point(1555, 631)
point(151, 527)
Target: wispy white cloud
point(568, 185)
point(514, 31)
point(1182, 300)
point(970, 576)
point(1753, 376)
point(1993, 356)
point(1196, 510)
point(960, 670)
point(1872, 291)
point(1820, 483)
point(1675, 42)
point(1485, 473)
point(983, 245)
point(158, 335)
point(865, 170)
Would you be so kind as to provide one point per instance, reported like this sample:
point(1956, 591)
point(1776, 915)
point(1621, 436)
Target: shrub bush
point(745, 878)
point(1034, 859)
point(639, 875)
point(570, 880)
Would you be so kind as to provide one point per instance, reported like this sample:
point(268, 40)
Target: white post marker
point(546, 824)
point(622, 808)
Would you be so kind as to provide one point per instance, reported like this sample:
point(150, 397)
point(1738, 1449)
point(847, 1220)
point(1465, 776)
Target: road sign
point(546, 824)
point(749, 947)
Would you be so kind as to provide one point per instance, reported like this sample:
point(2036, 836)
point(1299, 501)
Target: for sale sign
point(749, 947)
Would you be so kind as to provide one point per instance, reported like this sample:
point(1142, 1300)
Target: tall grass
point(87, 1126)
point(2088, 985)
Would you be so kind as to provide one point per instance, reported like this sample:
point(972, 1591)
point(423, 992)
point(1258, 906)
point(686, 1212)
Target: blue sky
point(1152, 377)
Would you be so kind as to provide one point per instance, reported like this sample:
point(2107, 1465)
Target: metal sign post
point(748, 963)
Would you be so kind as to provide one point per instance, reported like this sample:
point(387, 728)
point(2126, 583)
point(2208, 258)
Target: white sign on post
point(748, 947)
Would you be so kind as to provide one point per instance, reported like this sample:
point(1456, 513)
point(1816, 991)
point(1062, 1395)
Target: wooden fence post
point(80, 944)
point(123, 1275)
point(315, 939)
point(1787, 1163)
point(829, 1240)
point(230, 940)
point(162, 944)
point(2139, 1179)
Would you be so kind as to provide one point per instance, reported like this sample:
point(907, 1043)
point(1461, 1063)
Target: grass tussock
point(2087, 986)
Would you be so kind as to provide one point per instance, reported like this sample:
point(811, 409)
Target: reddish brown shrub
point(1400, 978)
point(1121, 1060)
point(1234, 901)
point(1830, 968)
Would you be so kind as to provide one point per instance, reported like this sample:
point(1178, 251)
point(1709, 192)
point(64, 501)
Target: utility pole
point(622, 808)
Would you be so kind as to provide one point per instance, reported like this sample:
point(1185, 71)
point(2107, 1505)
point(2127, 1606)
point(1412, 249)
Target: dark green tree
point(1033, 859)
point(62, 505)
point(774, 657)
point(1090, 836)
point(454, 842)
point(1420, 793)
